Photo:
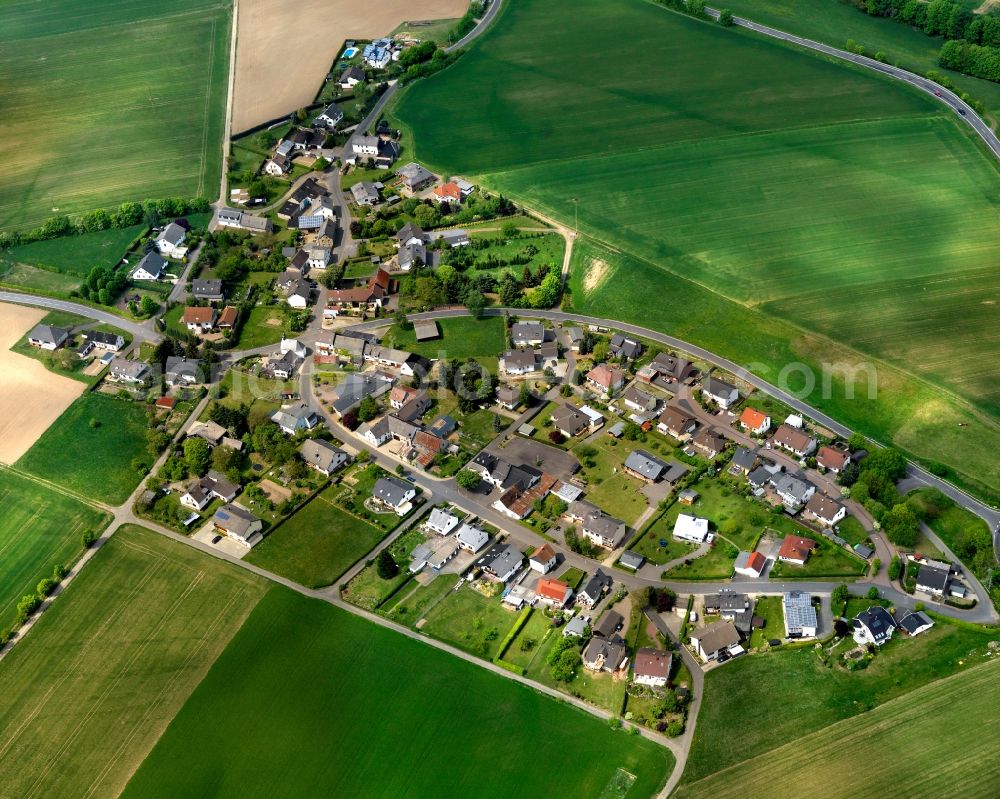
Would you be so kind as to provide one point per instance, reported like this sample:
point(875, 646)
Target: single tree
point(386, 566)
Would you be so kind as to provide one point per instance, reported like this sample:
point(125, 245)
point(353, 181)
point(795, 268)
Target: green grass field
point(821, 765)
point(835, 22)
point(92, 460)
point(77, 255)
point(96, 681)
point(122, 102)
point(40, 528)
point(463, 337)
point(311, 718)
point(777, 698)
point(316, 545)
point(778, 218)
point(259, 329)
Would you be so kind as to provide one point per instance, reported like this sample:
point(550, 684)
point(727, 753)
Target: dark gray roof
point(598, 583)
point(878, 621)
point(718, 387)
point(322, 454)
point(391, 491)
point(100, 337)
point(912, 622)
point(744, 458)
point(153, 263)
point(623, 345)
point(646, 464)
point(48, 334)
point(206, 288)
point(631, 560)
point(932, 577)
point(609, 624)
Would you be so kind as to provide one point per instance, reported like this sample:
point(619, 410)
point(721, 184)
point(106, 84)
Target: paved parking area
point(225, 544)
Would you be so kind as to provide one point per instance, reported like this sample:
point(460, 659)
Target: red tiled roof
point(752, 418)
point(448, 191)
point(830, 458)
point(228, 316)
point(551, 589)
point(543, 554)
point(199, 316)
point(165, 402)
point(756, 562)
point(795, 547)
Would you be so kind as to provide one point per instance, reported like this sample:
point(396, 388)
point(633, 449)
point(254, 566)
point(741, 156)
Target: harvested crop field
point(31, 397)
point(269, 84)
point(109, 102)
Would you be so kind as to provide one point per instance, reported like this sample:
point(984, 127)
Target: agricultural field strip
point(822, 746)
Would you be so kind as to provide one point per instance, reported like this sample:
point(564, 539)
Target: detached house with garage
point(874, 626)
point(151, 267)
point(833, 460)
point(651, 667)
point(606, 379)
point(322, 456)
point(543, 559)
point(755, 422)
point(199, 319)
point(793, 440)
point(796, 550)
point(394, 494)
point(47, 337)
point(605, 654)
point(645, 466)
point(603, 530)
point(675, 422)
point(824, 510)
point(622, 346)
point(238, 524)
point(170, 241)
point(554, 593)
point(329, 117)
point(720, 392)
point(716, 641)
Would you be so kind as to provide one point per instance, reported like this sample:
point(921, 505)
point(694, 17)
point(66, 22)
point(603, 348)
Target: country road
point(959, 107)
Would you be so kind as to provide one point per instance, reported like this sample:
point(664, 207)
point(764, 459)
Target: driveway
point(225, 544)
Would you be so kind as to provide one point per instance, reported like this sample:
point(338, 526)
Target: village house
point(329, 117)
point(717, 641)
point(795, 441)
point(527, 334)
point(665, 370)
point(645, 466)
point(915, 623)
point(800, 615)
point(110, 342)
point(631, 560)
point(508, 397)
point(796, 550)
point(605, 654)
point(932, 578)
point(152, 266)
point(212, 486)
point(414, 178)
point(471, 539)
point(367, 193)
point(874, 626)
point(441, 521)
point(793, 492)
point(132, 372)
point(447, 193)
point(518, 363)
point(595, 588)
point(238, 524)
point(743, 461)
point(500, 562)
point(543, 559)
point(170, 241)
point(295, 418)
point(691, 528)
point(207, 290)
point(675, 422)
point(606, 379)
point(433, 554)
point(569, 420)
point(322, 456)
point(651, 667)
point(833, 460)
point(750, 564)
point(198, 319)
point(240, 220)
point(604, 531)
point(356, 386)
point(824, 510)
point(622, 346)
point(48, 337)
point(755, 422)
point(554, 593)
point(394, 494)
point(179, 371)
point(638, 401)
point(708, 442)
point(720, 392)
point(277, 165)
point(351, 77)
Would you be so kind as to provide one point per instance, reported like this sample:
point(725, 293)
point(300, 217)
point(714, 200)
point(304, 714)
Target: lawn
point(827, 560)
point(51, 359)
point(142, 88)
point(470, 621)
point(368, 590)
point(770, 610)
point(241, 387)
point(317, 544)
point(94, 684)
point(662, 529)
point(820, 765)
point(496, 252)
point(266, 324)
point(461, 338)
point(75, 256)
point(90, 448)
point(330, 671)
point(822, 204)
point(741, 696)
point(608, 486)
point(409, 605)
point(41, 528)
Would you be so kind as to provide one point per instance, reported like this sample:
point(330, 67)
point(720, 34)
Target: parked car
point(217, 539)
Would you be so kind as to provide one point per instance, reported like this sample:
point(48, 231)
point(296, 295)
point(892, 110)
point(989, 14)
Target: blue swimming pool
point(350, 52)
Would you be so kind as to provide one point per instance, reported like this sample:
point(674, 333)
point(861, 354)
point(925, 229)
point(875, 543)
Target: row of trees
point(937, 18)
point(873, 484)
point(971, 59)
point(389, 219)
point(125, 215)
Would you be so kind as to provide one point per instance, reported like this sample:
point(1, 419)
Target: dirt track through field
point(31, 397)
point(284, 48)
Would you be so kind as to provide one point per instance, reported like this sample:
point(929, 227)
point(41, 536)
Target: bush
point(873, 593)
point(386, 566)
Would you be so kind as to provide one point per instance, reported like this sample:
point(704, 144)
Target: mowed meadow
point(118, 101)
point(805, 210)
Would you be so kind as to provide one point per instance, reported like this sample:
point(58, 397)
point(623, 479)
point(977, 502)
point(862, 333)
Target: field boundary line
point(133, 658)
point(889, 706)
point(60, 489)
point(195, 12)
point(207, 111)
